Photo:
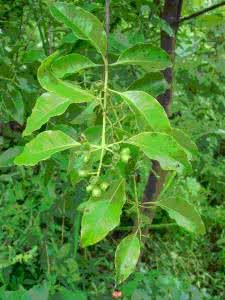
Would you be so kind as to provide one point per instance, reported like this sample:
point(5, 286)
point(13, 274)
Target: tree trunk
point(171, 14)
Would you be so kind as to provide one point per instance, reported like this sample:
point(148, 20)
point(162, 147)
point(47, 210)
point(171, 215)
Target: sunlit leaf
point(126, 257)
point(149, 108)
point(84, 24)
point(145, 55)
point(61, 88)
point(152, 83)
point(44, 145)
point(47, 106)
point(184, 213)
point(103, 215)
point(163, 148)
point(71, 63)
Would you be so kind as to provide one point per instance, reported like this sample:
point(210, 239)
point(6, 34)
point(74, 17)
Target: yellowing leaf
point(126, 258)
point(103, 215)
point(43, 146)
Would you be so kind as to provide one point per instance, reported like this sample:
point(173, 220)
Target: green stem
point(105, 91)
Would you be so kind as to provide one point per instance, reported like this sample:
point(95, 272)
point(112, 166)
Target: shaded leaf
point(70, 295)
point(43, 146)
point(184, 213)
point(149, 108)
point(7, 157)
point(163, 148)
point(126, 257)
point(152, 83)
point(71, 63)
point(85, 114)
point(185, 141)
point(84, 24)
point(61, 88)
point(13, 103)
point(146, 56)
point(103, 215)
point(48, 105)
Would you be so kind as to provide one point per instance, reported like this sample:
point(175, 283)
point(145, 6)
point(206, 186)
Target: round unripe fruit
point(86, 158)
point(125, 158)
point(82, 173)
point(96, 192)
point(104, 185)
point(125, 151)
point(89, 188)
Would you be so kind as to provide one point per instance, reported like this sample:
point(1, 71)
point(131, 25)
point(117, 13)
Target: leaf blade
point(145, 55)
point(43, 146)
point(84, 24)
point(163, 148)
point(48, 105)
point(126, 257)
point(184, 213)
point(106, 211)
point(71, 63)
point(150, 109)
point(59, 87)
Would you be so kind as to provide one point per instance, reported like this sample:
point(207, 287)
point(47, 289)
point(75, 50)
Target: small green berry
point(125, 158)
point(96, 192)
point(82, 173)
point(104, 185)
point(125, 151)
point(89, 188)
point(86, 158)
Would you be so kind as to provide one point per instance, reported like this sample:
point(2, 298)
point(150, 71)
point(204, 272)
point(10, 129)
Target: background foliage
point(39, 220)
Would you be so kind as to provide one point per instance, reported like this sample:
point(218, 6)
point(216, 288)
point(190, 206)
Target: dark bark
point(171, 14)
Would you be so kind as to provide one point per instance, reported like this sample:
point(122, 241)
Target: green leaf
point(7, 157)
point(152, 83)
point(47, 106)
point(84, 24)
point(184, 213)
point(71, 63)
point(126, 258)
point(43, 146)
point(146, 56)
point(184, 140)
point(86, 114)
point(13, 104)
point(36, 293)
point(163, 148)
point(149, 108)
point(103, 215)
point(61, 88)
point(69, 295)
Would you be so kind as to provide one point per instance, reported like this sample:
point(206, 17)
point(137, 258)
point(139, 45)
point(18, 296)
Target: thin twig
point(201, 12)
